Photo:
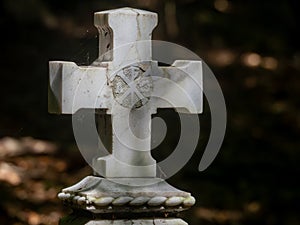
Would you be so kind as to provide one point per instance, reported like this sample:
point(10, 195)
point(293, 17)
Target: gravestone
point(128, 85)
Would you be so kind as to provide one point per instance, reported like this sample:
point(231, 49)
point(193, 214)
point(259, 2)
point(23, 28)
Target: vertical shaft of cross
point(131, 140)
point(125, 38)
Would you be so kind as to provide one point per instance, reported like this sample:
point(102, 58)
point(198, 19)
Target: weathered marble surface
point(126, 83)
point(124, 77)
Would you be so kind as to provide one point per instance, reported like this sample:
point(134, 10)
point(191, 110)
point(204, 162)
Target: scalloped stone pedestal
point(151, 196)
point(117, 201)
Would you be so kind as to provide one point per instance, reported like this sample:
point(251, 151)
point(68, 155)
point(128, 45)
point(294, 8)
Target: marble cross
point(129, 85)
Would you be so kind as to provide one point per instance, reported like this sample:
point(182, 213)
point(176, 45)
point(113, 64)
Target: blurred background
point(251, 46)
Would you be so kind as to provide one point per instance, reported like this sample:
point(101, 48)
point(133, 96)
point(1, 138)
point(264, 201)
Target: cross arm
point(73, 87)
point(179, 86)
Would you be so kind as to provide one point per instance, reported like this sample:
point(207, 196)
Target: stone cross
point(129, 85)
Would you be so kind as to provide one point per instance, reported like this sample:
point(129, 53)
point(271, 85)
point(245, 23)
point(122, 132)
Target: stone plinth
point(77, 220)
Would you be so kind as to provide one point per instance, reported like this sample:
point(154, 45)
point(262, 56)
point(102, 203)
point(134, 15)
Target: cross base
point(109, 166)
point(120, 196)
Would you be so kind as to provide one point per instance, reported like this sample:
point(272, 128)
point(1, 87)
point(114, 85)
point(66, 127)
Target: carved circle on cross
point(132, 86)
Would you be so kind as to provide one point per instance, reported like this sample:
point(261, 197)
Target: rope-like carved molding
point(127, 200)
